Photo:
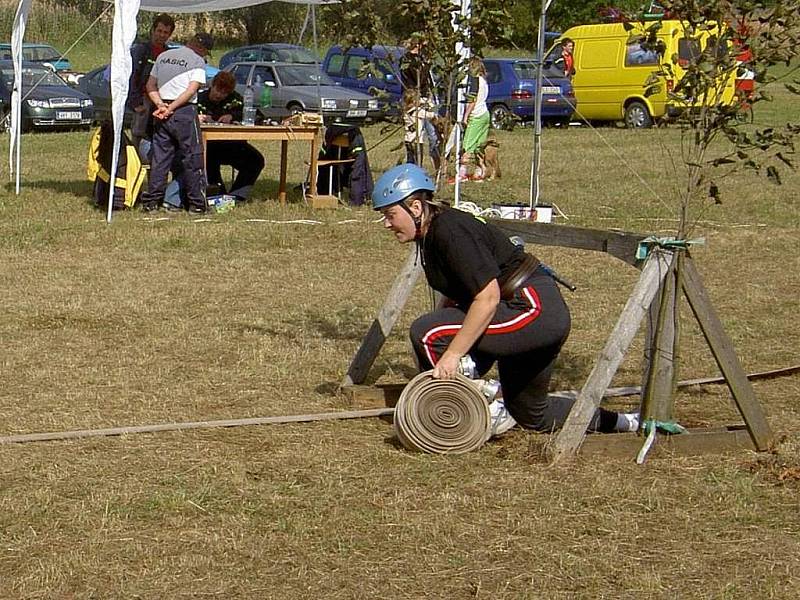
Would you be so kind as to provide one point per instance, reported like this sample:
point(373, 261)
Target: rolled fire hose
point(442, 416)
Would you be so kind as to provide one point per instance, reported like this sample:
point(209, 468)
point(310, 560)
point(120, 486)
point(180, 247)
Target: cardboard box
point(541, 213)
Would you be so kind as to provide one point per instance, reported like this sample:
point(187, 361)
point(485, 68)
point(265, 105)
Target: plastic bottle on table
point(249, 112)
point(266, 97)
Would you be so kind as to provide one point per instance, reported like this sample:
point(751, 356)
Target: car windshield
point(302, 75)
point(296, 55)
point(34, 76)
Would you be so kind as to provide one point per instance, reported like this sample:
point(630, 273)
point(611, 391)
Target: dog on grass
point(489, 158)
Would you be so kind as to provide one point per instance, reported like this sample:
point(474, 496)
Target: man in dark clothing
point(144, 55)
point(222, 104)
point(172, 87)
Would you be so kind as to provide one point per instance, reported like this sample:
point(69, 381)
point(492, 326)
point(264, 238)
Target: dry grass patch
point(149, 321)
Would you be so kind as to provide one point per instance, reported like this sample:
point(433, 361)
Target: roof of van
point(378, 50)
point(619, 27)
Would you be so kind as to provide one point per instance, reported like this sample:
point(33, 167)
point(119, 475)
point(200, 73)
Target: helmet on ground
point(398, 183)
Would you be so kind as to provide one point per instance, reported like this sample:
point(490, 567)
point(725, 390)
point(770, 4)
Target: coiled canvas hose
point(442, 416)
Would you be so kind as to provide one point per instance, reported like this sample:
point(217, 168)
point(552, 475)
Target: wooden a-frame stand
point(665, 274)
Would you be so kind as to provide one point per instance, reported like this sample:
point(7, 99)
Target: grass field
point(247, 314)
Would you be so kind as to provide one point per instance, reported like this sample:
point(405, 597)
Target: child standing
point(415, 112)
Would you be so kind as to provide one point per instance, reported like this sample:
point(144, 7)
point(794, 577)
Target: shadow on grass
point(79, 189)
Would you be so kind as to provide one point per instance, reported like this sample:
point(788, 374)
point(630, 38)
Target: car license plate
point(551, 89)
point(68, 115)
point(357, 113)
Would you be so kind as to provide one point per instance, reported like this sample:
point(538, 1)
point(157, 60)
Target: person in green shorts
point(477, 119)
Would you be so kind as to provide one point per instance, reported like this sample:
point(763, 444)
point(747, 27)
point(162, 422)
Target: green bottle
point(266, 97)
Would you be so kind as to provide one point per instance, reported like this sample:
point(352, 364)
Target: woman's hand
point(447, 367)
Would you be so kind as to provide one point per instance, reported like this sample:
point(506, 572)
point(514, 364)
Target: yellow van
point(610, 73)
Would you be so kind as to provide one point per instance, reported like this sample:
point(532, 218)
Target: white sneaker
point(502, 420)
point(628, 422)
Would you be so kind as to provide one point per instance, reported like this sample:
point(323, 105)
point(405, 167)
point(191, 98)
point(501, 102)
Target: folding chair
point(334, 167)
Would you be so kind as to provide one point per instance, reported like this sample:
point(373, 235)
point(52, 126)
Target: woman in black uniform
point(501, 305)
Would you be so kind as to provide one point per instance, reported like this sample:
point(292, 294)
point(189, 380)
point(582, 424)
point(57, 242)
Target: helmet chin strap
point(417, 220)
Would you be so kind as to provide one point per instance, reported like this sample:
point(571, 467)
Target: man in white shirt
point(172, 88)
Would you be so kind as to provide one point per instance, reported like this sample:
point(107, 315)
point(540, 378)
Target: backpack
point(130, 173)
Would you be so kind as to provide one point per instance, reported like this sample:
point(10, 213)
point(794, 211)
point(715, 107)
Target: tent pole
point(537, 112)
point(464, 52)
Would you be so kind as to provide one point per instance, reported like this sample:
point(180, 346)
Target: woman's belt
point(518, 276)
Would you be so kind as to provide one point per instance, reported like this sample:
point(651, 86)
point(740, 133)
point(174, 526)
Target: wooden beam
point(619, 244)
point(387, 394)
point(725, 355)
point(387, 317)
point(574, 430)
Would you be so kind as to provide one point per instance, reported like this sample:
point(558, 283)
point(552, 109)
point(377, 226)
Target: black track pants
point(524, 338)
point(243, 157)
point(178, 136)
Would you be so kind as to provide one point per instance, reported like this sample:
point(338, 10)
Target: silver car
point(302, 87)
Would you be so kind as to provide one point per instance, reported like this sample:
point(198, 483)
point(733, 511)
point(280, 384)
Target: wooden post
point(572, 433)
point(659, 378)
point(390, 311)
point(725, 355)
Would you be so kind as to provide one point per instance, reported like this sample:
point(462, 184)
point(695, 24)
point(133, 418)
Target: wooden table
point(283, 133)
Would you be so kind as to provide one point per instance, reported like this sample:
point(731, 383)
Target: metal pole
point(537, 112)
point(464, 52)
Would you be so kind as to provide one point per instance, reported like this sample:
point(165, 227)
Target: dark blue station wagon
point(512, 91)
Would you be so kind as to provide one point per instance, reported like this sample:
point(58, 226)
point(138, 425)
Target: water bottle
point(249, 108)
point(266, 97)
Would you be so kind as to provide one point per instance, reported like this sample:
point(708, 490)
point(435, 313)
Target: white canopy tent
point(123, 35)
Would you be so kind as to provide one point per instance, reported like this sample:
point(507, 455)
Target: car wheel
point(637, 116)
point(500, 116)
point(295, 108)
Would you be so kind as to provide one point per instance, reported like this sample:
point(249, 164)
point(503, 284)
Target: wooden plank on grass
point(574, 430)
point(387, 316)
point(694, 442)
point(725, 355)
point(619, 244)
point(374, 395)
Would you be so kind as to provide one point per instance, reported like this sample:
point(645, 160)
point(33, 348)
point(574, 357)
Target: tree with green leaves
point(744, 39)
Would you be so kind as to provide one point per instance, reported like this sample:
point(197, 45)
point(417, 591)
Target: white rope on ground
point(614, 151)
point(474, 209)
point(270, 221)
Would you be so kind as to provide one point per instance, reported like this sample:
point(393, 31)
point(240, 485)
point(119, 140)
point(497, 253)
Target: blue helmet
point(398, 183)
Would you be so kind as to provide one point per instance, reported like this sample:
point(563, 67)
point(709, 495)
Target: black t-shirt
point(231, 104)
point(462, 253)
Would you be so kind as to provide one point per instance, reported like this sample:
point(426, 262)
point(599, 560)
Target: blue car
point(38, 53)
point(373, 71)
point(512, 91)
